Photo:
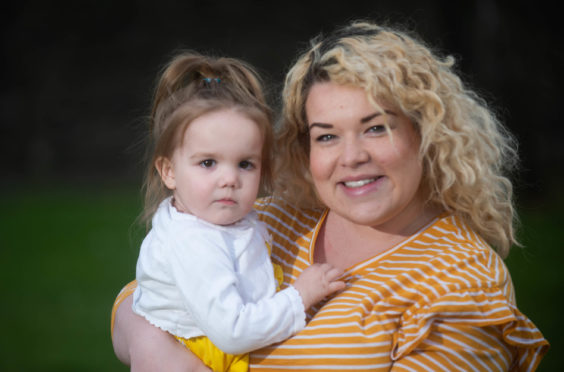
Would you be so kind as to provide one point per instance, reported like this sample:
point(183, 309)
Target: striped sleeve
point(469, 331)
point(471, 317)
point(459, 348)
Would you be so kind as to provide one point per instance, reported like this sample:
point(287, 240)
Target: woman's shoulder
point(445, 257)
point(448, 268)
point(452, 245)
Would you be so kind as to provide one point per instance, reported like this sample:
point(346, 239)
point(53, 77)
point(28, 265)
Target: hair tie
point(209, 81)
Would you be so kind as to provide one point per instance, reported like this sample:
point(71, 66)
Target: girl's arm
point(146, 348)
point(206, 278)
point(208, 282)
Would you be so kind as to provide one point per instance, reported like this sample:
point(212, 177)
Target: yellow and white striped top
point(441, 300)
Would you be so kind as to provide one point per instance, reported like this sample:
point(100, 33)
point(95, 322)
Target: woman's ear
point(166, 171)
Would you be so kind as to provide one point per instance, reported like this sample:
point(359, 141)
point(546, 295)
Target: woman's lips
point(361, 186)
point(359, 183)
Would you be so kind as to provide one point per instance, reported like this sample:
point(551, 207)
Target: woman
point(392, 170)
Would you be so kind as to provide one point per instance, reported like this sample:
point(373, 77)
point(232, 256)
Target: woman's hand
point(318, 281)
point(144, 347)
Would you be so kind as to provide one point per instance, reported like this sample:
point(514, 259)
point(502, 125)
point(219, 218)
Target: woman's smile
point(361, 186)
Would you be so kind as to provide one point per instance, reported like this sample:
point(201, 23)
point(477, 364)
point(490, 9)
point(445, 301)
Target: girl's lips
point(226, 201)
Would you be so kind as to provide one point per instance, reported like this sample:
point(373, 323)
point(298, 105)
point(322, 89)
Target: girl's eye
point(245, 164)
point(324, 138)
point(208, 163)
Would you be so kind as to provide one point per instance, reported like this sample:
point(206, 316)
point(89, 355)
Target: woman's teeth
point(359, 183)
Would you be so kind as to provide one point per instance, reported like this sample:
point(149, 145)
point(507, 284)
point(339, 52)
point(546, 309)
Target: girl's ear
point(166, 171)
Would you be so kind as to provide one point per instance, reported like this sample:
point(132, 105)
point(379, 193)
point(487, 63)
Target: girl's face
point(359, 171)
point(215, 172)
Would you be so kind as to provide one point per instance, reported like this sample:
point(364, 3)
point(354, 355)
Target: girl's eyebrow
point(363, 120)
point(197, 155)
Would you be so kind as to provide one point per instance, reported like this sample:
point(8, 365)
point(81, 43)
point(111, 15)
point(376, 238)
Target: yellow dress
point(213, 357)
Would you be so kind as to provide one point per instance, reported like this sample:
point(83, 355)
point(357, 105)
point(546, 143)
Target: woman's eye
point(245, 164)
point(377, 129)
point(208, 163)
point(324, 138)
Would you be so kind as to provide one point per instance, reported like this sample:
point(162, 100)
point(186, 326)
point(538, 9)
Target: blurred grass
point(66, 252)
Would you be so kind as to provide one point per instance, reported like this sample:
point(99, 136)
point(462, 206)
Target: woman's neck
point(343, 243)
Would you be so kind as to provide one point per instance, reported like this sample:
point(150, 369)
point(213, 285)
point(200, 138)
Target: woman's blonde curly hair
point(467, 154)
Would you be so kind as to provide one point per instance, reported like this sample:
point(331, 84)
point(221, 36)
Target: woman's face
point(359, 171)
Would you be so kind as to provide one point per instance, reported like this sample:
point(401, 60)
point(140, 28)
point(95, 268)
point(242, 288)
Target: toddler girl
point(204, 272)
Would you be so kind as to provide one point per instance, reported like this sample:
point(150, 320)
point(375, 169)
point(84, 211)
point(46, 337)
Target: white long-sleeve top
point(196, 278)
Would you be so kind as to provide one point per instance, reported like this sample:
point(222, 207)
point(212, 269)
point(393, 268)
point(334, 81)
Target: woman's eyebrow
point(366, 119)
point(363, 120)
point(321, 125)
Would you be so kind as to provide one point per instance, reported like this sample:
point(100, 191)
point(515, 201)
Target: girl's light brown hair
point(467, 153)
point(192, 85)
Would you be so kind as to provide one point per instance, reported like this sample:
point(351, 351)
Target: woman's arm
point(146, 348)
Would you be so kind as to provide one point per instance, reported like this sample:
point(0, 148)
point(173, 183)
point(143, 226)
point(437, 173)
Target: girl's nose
point(229, 177)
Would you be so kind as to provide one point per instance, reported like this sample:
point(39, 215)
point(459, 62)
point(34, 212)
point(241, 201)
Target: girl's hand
point(318, 281)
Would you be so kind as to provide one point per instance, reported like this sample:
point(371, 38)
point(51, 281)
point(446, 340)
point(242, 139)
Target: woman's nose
point(354, 153)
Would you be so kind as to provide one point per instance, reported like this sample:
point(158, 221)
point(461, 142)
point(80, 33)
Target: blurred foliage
point(66, 252)
point(537, 274)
